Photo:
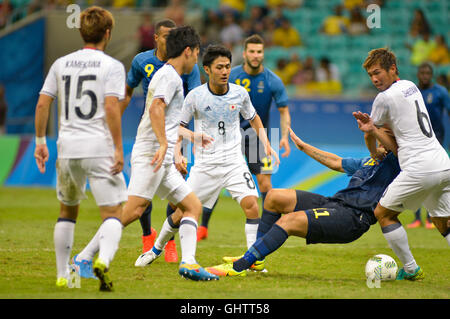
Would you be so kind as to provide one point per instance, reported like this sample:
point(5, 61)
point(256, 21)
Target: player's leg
point(278, 201)
point(249, 205)
point(170, 251)
point(417, 219)
point(148, 232)
point(202, 231)
point(396, 237)
point(63, 235)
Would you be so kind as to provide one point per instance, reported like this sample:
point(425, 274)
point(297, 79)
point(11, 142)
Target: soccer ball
point(381, 267)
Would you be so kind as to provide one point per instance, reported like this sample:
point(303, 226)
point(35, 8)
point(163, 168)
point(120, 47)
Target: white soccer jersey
point(402, 108)
point(81, 81)
point(167, 85)
point(218, 117)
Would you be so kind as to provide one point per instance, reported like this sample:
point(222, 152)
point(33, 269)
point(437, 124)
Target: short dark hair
point(164, 23)
point(255, 38)
point(425, 65)
point(213, 51)
point(179, 39)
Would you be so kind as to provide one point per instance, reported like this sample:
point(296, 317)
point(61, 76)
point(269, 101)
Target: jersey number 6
point(421, 116)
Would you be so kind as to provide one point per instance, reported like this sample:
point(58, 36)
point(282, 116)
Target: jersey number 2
point(80, 93)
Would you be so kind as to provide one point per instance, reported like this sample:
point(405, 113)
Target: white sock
point(188, 239)
point(251, 229)
point(448, 238)
point(109, 237)
point(396, 236)
point(91, 248)
point(168, 230)
point(63, 240)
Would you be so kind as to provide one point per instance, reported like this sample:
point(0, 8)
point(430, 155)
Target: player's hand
point(158, 158)
point(379, 155)
point(118, 162)
point(297, 140)
point(270, 152)
point(284, 143)
point(203, 140)
point(41, 155)
point(181, 164)
point(365, 122)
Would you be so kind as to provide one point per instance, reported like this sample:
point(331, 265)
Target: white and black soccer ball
point(381, 267)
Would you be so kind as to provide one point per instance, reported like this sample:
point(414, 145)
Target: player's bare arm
point(257, 125)
point(128, 94)
point(42, 112)
point(330, 160)
point(157, 117)
point(113, 119)
point(199, 139)
point(285, 124)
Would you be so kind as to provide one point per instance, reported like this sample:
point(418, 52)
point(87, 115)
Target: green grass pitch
point(295, 271)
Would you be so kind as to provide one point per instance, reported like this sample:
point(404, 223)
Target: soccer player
point(216, 107)
point(143, 68)
point(153, 169)
point(341, 218)
point(88, 84)
point(264, 87)
point(425, 165)
point(436, 100)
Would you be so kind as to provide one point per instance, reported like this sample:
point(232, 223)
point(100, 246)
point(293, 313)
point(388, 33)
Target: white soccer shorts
point(206, 181)
point(72, 177)
point(410, 192)
point(167, 182)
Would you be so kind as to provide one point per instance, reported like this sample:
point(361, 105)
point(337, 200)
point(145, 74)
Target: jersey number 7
point(80, 93)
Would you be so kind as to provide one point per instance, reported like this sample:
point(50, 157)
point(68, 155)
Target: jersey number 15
point(80, 93)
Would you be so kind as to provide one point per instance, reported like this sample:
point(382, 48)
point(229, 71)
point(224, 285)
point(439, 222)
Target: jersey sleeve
point(166, 88)
point(279, 92)
point(187, 111)
point(115, 81)
point(379, 110)
point(247, 111)
point(351, 165)
point(134, 75)
point(445, 99)
point(50, 86)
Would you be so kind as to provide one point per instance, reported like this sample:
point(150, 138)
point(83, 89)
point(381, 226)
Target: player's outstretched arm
point(113, 119)
point(124, 103)
point(199, 139)
point(40, 122)
point(330, 160)
point(285, 124)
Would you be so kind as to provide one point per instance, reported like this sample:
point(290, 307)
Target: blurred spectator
point(421, 49)
point(287, 69)
point(352, 4)
point(286, 35)
point(328, 78)
point(3, 110)
point(358, 24)
point(443, 80)
point(212, 26)
point(5, 12)
point(440, 54)
point(146, 34)
point(122, 3)
point(336, 23)
point(267, 31)
point(175, 11)
point(419, 24)
point(237, 7)
point(232, 32)
point(306, 74)
point(290, 4)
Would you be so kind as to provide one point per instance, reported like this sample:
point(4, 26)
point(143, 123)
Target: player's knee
point(275, 201)
point(295, 224)
point(250, 206)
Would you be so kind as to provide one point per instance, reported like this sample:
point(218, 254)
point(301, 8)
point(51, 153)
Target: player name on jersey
point(83, 64)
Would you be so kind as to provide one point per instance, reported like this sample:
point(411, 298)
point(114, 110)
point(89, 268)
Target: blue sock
point(170, 211)
point(264, 246)
point(266, 222)
point(206, 214)
point(146, 221)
